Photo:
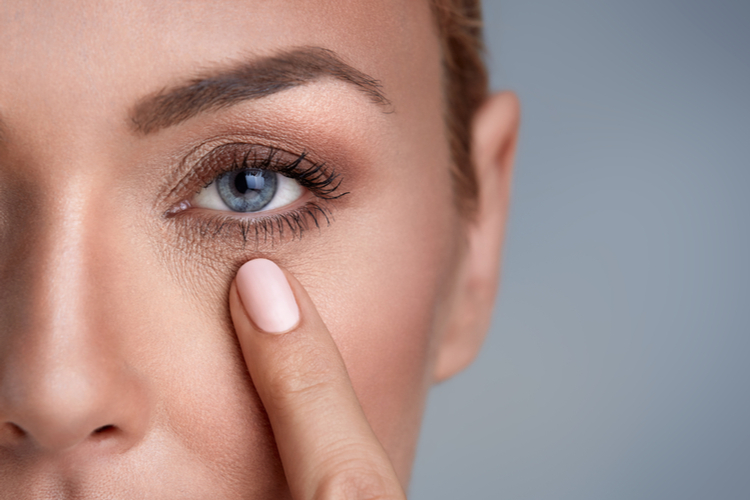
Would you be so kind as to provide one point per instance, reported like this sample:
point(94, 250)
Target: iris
point(247, 190)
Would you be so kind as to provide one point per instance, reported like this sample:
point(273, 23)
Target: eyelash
point(323, 182)
point(266, 228)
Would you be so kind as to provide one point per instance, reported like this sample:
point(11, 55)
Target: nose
point(75, 398)
point(66, 383)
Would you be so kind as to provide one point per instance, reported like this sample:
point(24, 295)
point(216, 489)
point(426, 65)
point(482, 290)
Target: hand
point(326, 445)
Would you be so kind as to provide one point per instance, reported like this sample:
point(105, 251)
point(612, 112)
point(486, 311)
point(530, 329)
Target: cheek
point(206, 417)
point(390, 272)
point(383, 325)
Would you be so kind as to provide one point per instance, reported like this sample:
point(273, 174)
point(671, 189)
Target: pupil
point(240, 183)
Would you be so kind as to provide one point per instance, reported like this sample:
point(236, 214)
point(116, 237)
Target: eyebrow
point(255, 79)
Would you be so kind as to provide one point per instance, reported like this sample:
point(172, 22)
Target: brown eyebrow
point(249, 80)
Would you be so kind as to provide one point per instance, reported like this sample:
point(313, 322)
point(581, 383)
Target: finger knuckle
point(300, 381)
point(358, 483)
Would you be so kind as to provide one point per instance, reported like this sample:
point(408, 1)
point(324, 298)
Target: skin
point(116, 318)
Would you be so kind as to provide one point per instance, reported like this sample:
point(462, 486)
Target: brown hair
point(459, 24)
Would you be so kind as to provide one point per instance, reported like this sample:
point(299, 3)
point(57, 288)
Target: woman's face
point(116, 259)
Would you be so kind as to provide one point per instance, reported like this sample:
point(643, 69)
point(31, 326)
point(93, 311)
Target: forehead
point(95, 57)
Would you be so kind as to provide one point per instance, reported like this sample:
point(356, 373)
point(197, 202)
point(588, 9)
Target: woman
point(150, 152)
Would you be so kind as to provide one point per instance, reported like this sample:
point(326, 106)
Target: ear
point(495, 132)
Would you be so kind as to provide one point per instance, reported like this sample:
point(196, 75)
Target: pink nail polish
point(267, 296)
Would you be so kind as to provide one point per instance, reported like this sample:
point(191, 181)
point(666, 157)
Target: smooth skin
point(128, 365)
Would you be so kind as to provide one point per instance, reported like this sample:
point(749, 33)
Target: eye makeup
point(321, 184)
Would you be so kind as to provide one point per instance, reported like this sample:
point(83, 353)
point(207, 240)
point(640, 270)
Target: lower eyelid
point(235, 230)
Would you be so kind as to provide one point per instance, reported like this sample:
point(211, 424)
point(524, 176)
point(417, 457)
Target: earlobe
point(495, 132)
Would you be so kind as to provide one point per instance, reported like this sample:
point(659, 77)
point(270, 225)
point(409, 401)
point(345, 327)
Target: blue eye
point(248, 190)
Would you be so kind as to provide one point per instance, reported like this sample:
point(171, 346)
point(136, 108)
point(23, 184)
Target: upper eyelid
point(179, 183)
point(316, 177)
point(253, 156)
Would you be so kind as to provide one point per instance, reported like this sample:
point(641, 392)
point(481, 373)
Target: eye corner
point(178, 208)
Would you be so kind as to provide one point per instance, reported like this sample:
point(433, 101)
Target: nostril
point(11, 433)
point(16, 430)
point(105, 433)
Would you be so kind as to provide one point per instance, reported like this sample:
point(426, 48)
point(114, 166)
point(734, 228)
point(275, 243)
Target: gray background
point(618, 365)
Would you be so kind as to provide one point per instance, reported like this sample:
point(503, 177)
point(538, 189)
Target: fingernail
point(267, 296)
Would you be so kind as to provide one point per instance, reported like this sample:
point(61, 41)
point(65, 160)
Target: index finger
point(327, 448)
